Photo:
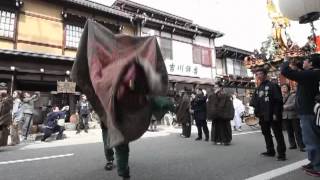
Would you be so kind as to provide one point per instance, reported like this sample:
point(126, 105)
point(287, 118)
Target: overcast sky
point(245, 23)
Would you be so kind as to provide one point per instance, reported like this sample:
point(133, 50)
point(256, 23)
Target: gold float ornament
point(279, 45)
point(260, 62)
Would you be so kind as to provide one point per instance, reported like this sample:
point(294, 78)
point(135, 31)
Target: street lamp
point(42, 70)
point(12, 68)
point(67, 76)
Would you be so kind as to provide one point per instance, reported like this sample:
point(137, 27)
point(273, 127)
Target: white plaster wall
point(213, 57)
point(230, 68)
point(165, 34)
point(149, 32)
point(201, 41)
point(206, 72)
point(183, 39)
point(182, 52)
point(182, 55)
point(212, 43)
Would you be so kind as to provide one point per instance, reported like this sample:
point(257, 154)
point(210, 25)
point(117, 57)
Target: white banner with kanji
point(178, 68)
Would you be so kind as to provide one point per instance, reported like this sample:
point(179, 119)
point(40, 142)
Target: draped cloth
point(119, 74)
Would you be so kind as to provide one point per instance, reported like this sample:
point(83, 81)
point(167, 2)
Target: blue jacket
point(53, 117)
point(308, 84)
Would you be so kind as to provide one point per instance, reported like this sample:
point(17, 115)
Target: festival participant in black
point(198, 105)
point(268, 106)
point(221, 111)
point(183, 114)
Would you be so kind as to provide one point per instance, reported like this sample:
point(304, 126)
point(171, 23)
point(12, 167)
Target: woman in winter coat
point(290, 118)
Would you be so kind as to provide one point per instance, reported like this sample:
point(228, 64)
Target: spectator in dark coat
point(291, 119)
point(198, 105)
point(268, 105)
point(83, 110)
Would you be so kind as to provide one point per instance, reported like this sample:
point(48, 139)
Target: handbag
point(61, 122)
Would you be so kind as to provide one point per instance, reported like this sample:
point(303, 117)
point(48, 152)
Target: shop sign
point(183, 69)
point(66, 87)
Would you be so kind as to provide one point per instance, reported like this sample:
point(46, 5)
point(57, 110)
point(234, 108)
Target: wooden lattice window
point(73, 34)
point(7, 24)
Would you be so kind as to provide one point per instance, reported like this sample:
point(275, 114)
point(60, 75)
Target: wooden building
point(188, 49)
point(231, 71)
point(39, 39)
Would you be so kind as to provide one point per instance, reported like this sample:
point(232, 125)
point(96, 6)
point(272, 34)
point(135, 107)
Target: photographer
point(308, 83)
point(52, 125)
point(28, 110)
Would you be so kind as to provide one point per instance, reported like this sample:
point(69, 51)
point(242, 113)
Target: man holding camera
point(308, 78)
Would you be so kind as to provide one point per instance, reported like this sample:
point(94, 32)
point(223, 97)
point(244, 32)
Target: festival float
point(279, 45)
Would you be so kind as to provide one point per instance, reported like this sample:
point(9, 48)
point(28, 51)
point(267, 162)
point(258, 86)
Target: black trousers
point(83, 122)
point(122, 155)
point(202, 124)
point(186, 129)
point(276, 127)
point(294, 132)
point(48, 132)
point(221, 131)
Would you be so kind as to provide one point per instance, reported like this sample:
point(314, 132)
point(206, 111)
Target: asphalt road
point(163, 157)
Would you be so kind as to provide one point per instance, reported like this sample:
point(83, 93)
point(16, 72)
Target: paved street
point(161, 155)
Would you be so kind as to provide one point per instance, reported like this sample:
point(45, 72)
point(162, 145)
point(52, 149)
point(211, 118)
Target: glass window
point(230, 67)
point(206, 57)
point(166, 48)
point(243, 70)
point(237, 68)
point(196, 52)
point(73, 35)
point(7, 21)
point(220, 65)
point(201, 55)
